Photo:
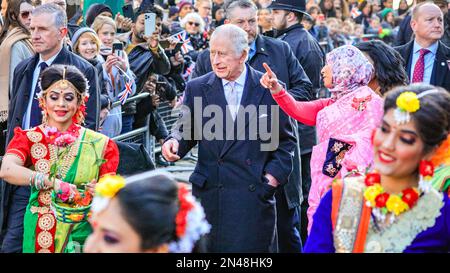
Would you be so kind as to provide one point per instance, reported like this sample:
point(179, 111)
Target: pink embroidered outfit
point(344, 122)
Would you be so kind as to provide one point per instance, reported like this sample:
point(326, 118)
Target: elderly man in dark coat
point(240, 164)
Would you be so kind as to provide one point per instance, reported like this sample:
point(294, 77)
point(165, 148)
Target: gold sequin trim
point(34, 136)
point(45, 197)
point(45, 239)
point(38, 151)
point(68, 158)
point(46, 222)
point(40, 210)
point(43, 166)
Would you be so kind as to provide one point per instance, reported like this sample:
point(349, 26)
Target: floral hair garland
point(190, 220)
point(190, 223)
point(408, 102)
point(80, 115)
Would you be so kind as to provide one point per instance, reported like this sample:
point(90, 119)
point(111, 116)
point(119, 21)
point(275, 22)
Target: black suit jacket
point(228, 177)
point(441, 68)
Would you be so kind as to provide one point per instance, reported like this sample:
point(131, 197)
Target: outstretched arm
point(303, 111)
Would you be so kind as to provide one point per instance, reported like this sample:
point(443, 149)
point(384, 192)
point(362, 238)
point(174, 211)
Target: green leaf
point(99, 162)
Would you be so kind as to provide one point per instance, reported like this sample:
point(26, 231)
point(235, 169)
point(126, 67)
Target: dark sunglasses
point(25, 14)
point(193, 23)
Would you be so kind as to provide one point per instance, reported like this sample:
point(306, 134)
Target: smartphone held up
point(149, 24)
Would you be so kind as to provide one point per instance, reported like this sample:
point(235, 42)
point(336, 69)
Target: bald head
point(427, 22)
point(423, 8)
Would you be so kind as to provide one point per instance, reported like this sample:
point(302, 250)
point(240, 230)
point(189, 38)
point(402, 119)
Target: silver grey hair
point(236, 35)
point(230, 5)
point(58, 13)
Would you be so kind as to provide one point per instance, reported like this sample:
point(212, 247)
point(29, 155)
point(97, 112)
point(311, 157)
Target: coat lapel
point(252, 96)
point(408, 57)
point(214, 95)
point(440, 68)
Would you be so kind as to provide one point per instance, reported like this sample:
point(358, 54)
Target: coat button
point(220, 161)
point(220, 186)
point(248, 161)
point(252, 187)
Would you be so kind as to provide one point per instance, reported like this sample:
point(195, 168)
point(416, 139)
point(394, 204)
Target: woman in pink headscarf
point(344, 122)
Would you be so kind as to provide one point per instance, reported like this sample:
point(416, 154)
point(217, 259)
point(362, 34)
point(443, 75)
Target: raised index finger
point(266, 66)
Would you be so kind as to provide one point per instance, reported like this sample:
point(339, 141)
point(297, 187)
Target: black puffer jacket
point(143, 62)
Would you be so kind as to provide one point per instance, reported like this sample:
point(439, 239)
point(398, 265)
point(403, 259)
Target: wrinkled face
point(428, 23)
point(279, 19)
point(245, 19)
point(61, 105)
point(204, 9)
point(192, 26)
point(139, 27)
point(398, 148)
point(25, 14)
point(112, 233)
point(87, 47)
point(106, 35)
point(45, 36)
point(327, 76)
point(185, 10)
point(225, 62)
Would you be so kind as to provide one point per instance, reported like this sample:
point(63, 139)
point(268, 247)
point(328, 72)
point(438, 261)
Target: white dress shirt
point(428, 59)
point(239, 85)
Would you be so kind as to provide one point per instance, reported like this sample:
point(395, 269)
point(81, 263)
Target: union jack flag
point(355, 12)
point(184, 38)
point(188, 71)
point(123, 96)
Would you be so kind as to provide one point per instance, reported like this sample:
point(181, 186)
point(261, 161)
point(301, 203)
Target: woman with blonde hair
point(116, 74)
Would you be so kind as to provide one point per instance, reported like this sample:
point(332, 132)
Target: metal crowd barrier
point(140, 135)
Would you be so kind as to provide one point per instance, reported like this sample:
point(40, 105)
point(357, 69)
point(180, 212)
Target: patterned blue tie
point(36, 115)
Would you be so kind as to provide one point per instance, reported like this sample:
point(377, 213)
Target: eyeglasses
point(25, 14)
point(193, 23)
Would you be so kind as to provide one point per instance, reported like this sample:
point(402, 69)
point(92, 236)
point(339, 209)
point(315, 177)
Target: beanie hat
point(95, 11)
point(385, 12)
point(183, 3)
point(80, 32)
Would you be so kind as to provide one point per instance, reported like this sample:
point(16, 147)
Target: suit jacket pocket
point(268, 190)
point(197, 179)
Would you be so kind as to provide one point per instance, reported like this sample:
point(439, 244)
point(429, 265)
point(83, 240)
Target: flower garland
point(62, 139)
point(190, 222)
point(383, 203)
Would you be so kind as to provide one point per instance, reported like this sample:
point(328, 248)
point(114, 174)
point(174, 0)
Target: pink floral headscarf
point(351, 70)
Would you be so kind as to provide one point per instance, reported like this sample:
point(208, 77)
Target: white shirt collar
point(240, 80)
point(49, 61)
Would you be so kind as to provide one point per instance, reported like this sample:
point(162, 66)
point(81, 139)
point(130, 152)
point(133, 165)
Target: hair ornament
point(407, 103)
